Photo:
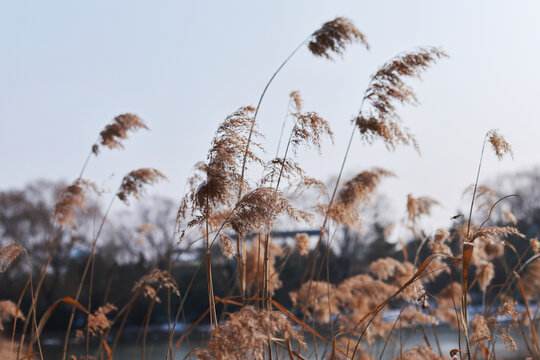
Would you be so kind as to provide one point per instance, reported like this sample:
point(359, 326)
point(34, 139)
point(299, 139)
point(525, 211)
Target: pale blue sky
point(67, 68)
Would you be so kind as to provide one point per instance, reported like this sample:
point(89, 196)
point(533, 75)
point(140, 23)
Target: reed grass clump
point(326, 314)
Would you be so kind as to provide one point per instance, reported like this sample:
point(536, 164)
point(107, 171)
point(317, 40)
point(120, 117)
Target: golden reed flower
point(438, 244)
point(246, 333)
point(98, 321)
point(353, 194)
point(161, 278)
point(499, 144)
point(117, 131)
point(133, 183)
point(255, 265)
point(333, 36)
point(227, 246)
point(387, 87)
point(302, 244)
point(258, 210)
point(419, 206)
point(8, 310)
point(420, 352)
point(309, 127)
point(223, 171)
point(8, 254)
point(73, 198)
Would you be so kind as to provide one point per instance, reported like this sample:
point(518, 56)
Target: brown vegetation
point(223, 205)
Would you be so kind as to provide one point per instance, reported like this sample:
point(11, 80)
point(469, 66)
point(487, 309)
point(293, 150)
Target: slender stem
point(85, 272)
point(464, 279)
point(283, 128)
point(244, 160)
point(257, 112)
point(476, 186)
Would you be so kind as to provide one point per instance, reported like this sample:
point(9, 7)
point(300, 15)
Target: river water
point(156, 347)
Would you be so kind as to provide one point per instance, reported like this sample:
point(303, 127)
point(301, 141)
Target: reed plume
point(357, 296)
point(531, 280)
point(419, 206)
point(509, 217)
point(133, 183)
point(313, 300)
point(420, 352)
point(484, 195)
point(302, 244)
point(354, 193)
point(227, 246)
point(222, 176)
point(308, 130)
point(115, 132)
point(73, 198)
point(8, 254)
point(9, 310)
point(258, 210)
point(500, 146)
point(255, 265)
point(439, 242)
point(535, 245)
point(412, 317)
point(246, 334)
point(333, 36)
point(494, 233)
point(98, 322)
point(309, 127)
point(160, 279)
point(387, 87)
point(398, 273)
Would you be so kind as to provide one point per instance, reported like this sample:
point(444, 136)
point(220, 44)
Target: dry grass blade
point(298, 321)
point(191, 327)
point(108, 350)
point(467, 254)
point(527, 308)
point(50, 310)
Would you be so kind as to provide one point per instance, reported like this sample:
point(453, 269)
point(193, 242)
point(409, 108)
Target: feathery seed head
point(246, 333)
point(387, 86)
point(227, 246)
point(333, 36)
point(302, 243)
point(9, 253)
point(117, 131)
point(225, 158)
point(417, 207)
point(9, 310)
point(98, 321)
point(499, 144)
point(354, 193)
point(161, 278)
point(259, 209)
point(73, 197)
point(133, 183)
